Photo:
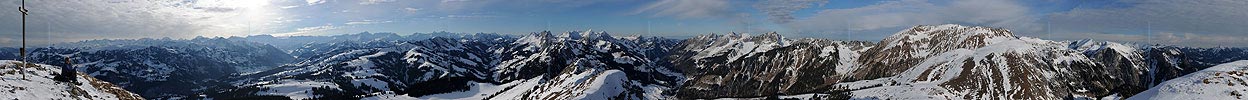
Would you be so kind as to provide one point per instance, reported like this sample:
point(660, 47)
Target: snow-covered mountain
point(35, 82)
point(966, 62)
point(541, 65)
point(928, 62)
point(736, 65)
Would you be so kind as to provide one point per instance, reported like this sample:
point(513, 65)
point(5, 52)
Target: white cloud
point(687, 8)
point(318, 28)
point(468, 16)
point(781, 11)
point(370, 2)
point(8, 41)
point(906, 13)
point(366, 22)
point(315, 2)
point(411, 10)
point(309, 30)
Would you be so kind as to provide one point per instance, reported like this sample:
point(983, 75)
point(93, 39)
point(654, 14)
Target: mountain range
point(922, 62)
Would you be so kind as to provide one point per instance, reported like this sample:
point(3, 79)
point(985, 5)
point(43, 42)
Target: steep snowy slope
point(35, 82)
point(1221, 82)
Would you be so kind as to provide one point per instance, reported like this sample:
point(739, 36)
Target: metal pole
point(23, 10)
point(23, 49)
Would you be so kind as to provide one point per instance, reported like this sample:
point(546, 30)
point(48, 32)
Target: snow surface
point(591, 85)
point(296, 89)
point(39, 85)
point(1221, 82)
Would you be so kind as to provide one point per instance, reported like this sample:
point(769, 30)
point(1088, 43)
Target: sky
point(1198, 23)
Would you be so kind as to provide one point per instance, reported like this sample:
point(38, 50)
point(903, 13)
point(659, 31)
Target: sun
point(243, 17)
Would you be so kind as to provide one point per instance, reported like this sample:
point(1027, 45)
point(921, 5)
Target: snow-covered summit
point(950, 35)
point(894, 53)
point(34, 82)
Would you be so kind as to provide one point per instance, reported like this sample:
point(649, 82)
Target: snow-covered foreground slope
point(35, 82)
point(1222, 82)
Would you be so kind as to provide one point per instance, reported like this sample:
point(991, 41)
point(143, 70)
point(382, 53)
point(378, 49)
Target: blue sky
point(1203, 23)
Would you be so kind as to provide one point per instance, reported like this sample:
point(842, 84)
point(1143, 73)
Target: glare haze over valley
point(623, 49)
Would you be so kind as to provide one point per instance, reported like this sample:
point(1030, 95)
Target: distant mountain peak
point(598, 35)
point(947, 36)
point(770, 37)
point(571, 35)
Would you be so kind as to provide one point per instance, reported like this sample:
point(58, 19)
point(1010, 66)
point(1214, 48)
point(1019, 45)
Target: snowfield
point(35, 83)
point(1222, 82)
